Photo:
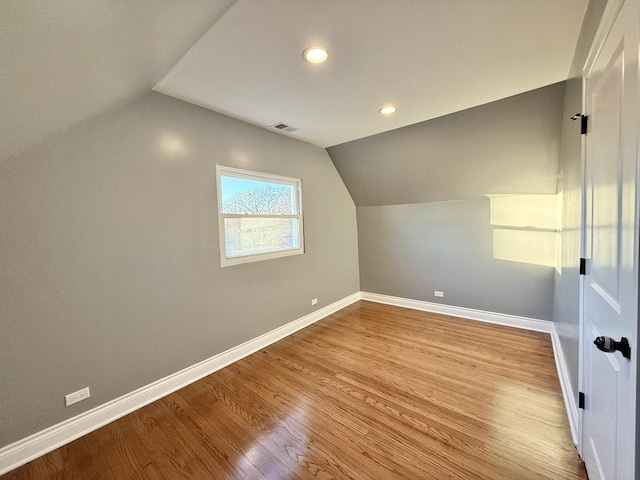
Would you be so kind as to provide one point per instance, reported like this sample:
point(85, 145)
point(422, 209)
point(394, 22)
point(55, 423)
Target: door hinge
point(583, 266)
point(581, 400)
point(584, 121)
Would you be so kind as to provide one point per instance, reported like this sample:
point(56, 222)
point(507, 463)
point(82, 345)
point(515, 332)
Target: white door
point(611, 245)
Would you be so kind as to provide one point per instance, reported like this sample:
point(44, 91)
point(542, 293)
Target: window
point(260, 216)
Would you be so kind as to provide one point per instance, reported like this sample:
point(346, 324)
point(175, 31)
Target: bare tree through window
point(261, 200)
point(260, 214)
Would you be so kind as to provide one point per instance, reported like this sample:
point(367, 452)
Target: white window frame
point(225, 261)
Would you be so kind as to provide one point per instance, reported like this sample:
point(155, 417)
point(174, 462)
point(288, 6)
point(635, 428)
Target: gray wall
point(110, 274)
point(423, 217)
point(411, 250)
point(566, 304)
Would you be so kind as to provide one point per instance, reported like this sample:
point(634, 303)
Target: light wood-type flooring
point(370, 392)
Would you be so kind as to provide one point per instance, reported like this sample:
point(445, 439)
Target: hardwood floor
point(371, 392)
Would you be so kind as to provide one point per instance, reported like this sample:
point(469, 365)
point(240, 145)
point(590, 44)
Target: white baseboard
point(565, 384)
point(525, 323)
point(490, 317)
point(38, 444)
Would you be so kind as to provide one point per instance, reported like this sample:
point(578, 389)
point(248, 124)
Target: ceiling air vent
point(284, 127)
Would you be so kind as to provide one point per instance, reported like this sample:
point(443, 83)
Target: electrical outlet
point(438, 293)
point(314, 301)
point(76, 397)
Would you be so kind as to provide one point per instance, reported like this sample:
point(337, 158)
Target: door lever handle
point(609, 345)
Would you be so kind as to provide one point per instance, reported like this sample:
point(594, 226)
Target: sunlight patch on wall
point(526, 211)
point(529, 228)
point(526, 246)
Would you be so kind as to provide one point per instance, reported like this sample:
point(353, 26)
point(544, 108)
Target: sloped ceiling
point(65, 61)
point(428, 57)
point(510, 146)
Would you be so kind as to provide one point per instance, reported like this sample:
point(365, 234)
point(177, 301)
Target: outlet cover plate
point(76, 397)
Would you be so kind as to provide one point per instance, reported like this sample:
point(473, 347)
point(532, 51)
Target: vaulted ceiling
point(65, 62)
point(428, 57)
point(510, 146)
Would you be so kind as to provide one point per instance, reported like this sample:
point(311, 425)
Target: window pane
point(250, 236)
point(244, 196)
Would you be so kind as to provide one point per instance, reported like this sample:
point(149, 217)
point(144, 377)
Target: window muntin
point(260, 216)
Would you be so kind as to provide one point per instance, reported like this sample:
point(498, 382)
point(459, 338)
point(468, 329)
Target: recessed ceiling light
point(315, 54)
point(387, 109)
